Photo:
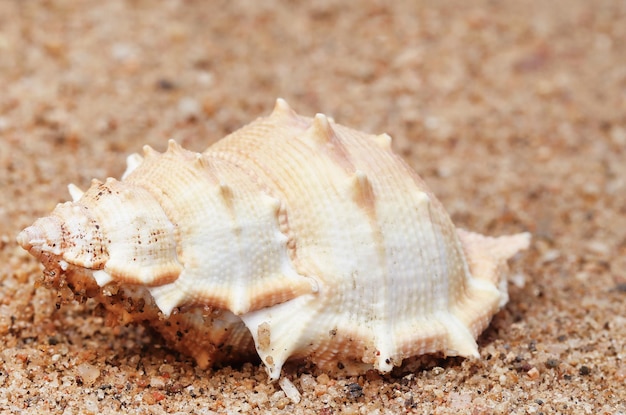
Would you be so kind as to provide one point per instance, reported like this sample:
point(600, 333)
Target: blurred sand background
point(513, 112)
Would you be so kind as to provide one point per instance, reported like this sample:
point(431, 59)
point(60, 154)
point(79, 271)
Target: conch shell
point(294, 236)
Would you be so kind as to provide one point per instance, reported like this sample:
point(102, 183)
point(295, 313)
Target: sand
point(513, 112)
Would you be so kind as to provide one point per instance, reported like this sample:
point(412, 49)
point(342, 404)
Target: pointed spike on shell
point(167, 297)
point(282, 109)
point(507, 246)
point(173, 146)
point(95, 182)
point(485, 254)
point(384, 362)
point(383, 140)
point(132, 162)
point(321, 128)
point(284, 328)
point(149, 151)
point(460, 339)
point(75, 192)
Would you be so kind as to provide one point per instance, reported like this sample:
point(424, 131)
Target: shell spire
point(292, 238)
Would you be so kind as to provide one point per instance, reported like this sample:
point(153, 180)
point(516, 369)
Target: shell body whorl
point(296, 235)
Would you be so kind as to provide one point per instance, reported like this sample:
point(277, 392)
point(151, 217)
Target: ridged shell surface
point(296, 236)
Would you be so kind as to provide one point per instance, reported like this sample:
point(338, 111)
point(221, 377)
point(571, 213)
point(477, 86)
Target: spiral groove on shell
point(294, 237)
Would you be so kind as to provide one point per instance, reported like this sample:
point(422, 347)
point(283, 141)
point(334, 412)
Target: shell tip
point(75, 192)
point(172, 146)
point(498, 248)
point(321, 128)
point(148, 151)
point(25, 238)
point(167, 297)
point(132, 162)
point(43, 237)
point(460, 340)
point(383, 140)
point(282, 109)
point(272, 368)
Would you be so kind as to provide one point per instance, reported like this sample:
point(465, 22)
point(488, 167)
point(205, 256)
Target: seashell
point(293, 237)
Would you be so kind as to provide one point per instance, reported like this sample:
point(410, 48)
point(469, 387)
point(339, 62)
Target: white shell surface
point(316, 237)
